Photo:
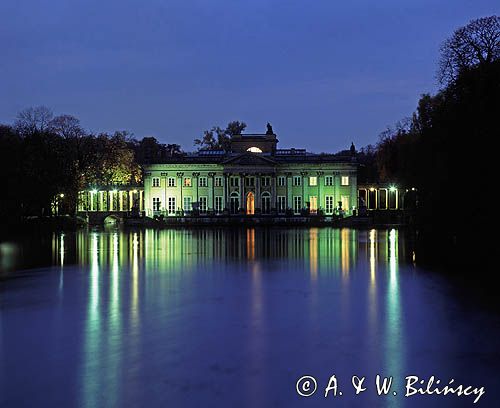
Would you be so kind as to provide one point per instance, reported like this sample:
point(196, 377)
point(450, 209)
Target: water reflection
point(171, 311)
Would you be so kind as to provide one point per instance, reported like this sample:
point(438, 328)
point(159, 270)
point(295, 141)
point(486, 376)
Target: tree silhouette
point(475, 44)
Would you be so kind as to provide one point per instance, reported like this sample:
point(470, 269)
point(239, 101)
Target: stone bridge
point(101, 217)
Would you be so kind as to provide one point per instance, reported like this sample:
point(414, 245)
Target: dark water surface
point(233, 318)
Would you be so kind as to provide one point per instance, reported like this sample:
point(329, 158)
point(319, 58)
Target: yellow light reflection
point(251, 244)
point(344, 242)
point(313, 252)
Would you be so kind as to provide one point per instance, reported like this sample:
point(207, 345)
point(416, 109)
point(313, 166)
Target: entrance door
point(313, 203)
point(250, 203)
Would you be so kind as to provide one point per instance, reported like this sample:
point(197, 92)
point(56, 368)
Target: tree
point(173, 149)
point(218, 138)
point(32, 120)
point(477, 43)
point(66, 126)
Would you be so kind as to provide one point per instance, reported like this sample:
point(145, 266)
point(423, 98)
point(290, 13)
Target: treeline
point(45, 158)
point(447, 148)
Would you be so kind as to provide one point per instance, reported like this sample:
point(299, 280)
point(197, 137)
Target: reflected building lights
point(91, 372)
point(135, 281)
point(344, 242)
point(251, 244)
point(394, 329)
point(313, 253)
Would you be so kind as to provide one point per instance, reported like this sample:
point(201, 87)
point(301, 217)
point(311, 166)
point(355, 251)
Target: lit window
point(171, 181)
point(329, 204)
point(156, 203)
point(187, 182)
point(254, 149)
point(171, 205)
point(156, 182)
point(313, 181)
point(345, 180)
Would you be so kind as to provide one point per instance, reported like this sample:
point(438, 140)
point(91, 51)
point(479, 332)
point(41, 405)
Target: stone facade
point(253, 177)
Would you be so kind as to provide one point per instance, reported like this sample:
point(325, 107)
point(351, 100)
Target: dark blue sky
point(323, 72)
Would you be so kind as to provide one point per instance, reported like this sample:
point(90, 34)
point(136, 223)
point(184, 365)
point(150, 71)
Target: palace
point(252, 177)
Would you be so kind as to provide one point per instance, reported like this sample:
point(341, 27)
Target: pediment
point(249, 159)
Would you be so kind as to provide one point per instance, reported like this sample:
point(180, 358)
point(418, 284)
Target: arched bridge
point(102, 217)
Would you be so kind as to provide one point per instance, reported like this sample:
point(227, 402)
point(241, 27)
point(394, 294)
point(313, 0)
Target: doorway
point(250, 203)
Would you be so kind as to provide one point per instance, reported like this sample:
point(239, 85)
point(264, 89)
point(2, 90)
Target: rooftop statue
point(269, 129)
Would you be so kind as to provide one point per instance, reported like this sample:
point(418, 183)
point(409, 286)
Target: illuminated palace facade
point(252, 177)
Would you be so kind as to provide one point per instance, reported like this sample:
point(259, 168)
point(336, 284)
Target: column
point(225, 191)
point(305, 190)
point(241, 190)
point(320, 201)
point(336, 189)
point(258, 201)
point(180, 180)
point(353, 202)
point(289, 203)
point(211, 199)
point(120, 199)
point(274, 199)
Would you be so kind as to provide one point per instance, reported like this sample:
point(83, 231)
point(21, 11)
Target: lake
point(234, 318)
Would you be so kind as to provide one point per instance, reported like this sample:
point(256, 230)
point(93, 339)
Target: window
point(297, 180)
point(187, 182)
point(266, 181)
point(254, 149)
point(313, 181)
point(171, 181)
point(202, 182)
point(266, 203)
point(234, 202)
point(250, 181)
point(282, 181)
point(203, 204)
point(281, 204)
point(234, 181)
point(329, 204)
point(218, 181)
point(328, 180)
point(345, 180)
point(297, 204)
point(156, 182)
point(218, 204)
point(171, 205)
point(156, 203)
point(187, 204)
